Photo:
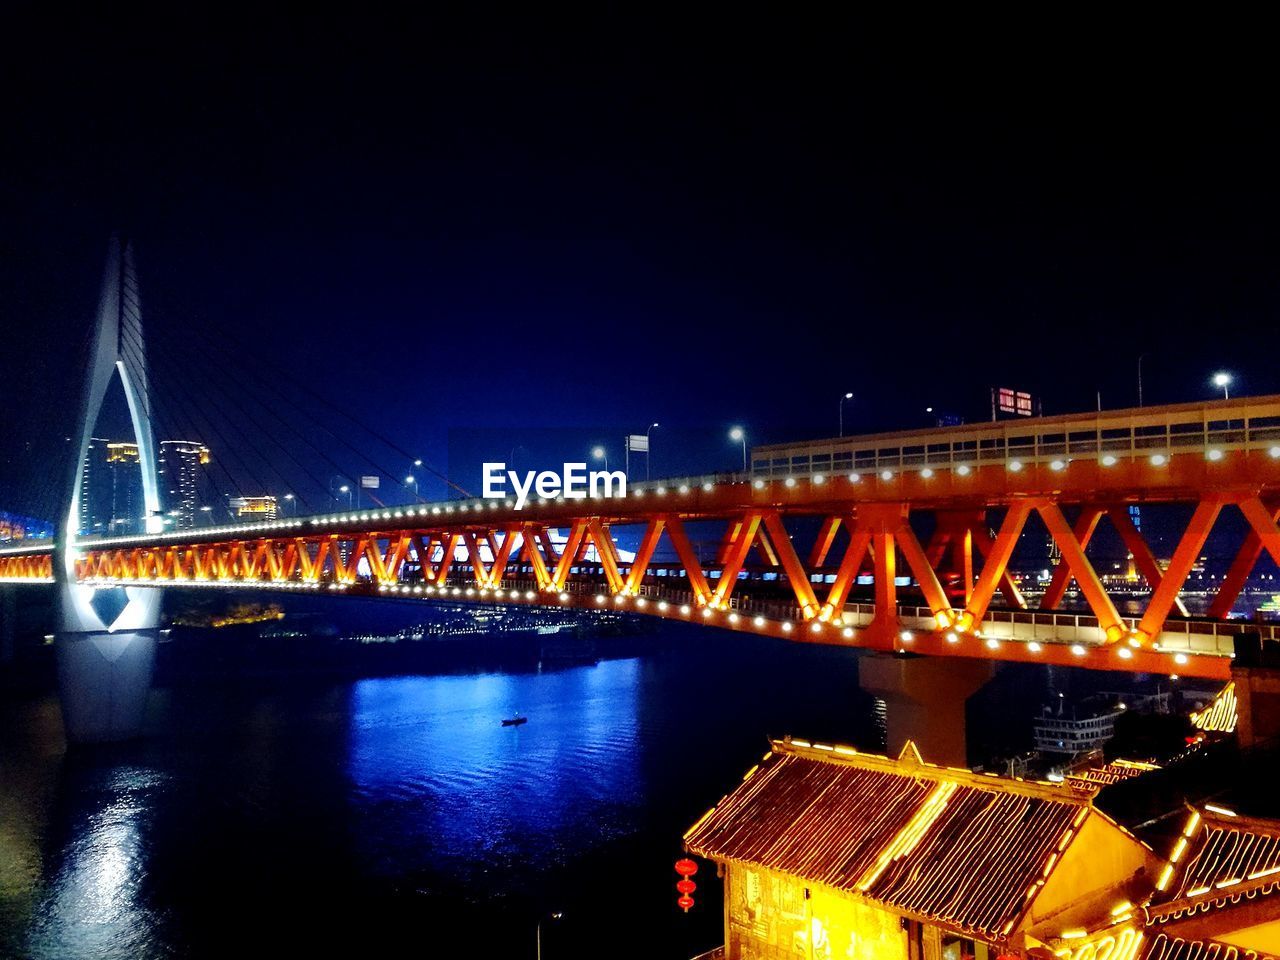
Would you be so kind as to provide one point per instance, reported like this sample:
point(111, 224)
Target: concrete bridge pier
point(103, 682)
point(925, 699)
point(104, 673)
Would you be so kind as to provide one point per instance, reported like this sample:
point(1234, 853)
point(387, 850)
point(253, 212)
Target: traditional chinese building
point(827, 852)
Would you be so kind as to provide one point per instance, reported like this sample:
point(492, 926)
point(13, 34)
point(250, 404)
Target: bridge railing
point(1224, 425)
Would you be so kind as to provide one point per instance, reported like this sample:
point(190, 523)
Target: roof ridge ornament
point(910, 755)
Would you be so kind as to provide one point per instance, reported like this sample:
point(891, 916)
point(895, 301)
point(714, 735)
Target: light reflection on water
point(499, 796)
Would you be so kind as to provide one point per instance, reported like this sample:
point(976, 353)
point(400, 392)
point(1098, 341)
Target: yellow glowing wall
point(769, 918)
point(1098, 861)
point(1261, 938)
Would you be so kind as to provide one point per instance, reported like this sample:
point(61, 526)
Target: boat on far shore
point(514, 721)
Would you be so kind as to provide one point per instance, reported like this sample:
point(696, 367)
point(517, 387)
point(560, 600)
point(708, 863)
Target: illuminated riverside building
point(826, 852)
point(254, 509)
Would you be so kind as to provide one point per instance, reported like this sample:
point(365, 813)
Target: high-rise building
point(179, 476)
point(253, 509)
point(111, 500)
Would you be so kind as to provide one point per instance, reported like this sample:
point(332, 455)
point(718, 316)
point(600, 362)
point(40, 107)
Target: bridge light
point(661, 491)
point(758, 621)
point(662, 606)
point(530, 595)
point(855, 478)
point(816, 627)
point(684, 488)
point(926, 473)
point(1109, 460)
point(1015, 466)
point(759, 484)
point(992, 643)
point(1034, 647)
point(819, 478)
point(963, 469)
point(641, 602)
point(790, 481)
point(1124, 653)
point(1275, 453)
point(600, 598)
point(1077, 650)
point(848, 633)
point(1057, 465)
point(1180, 659)
point(907, 636)
point(706, 612)
point(733, 618)
point(887, 475)
point(952, 638)
point(786, 627)
point(1158, 459)
point(684, 609)
point(708, 487)
point(1214, 455)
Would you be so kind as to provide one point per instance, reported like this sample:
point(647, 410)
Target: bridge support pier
point(925, 700)
point(103, 682)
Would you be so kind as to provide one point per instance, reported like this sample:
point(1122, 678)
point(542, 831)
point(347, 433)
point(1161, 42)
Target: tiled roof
point(1164, 947)
point(1110, 773)
point(1220, 849)
point(963, 849)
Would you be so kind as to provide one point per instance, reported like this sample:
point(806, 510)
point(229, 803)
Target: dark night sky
point(600, 223)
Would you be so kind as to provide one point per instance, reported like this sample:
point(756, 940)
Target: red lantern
point(686, 868)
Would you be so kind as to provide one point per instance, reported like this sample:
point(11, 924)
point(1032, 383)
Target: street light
point(648, 449)
point(411, 479)
point(737, 433)
point(600, 453)
point(847, 396)
point(347, 490)
point(290, 498)
point(1223, 379)
point(555, 916)
point(205, 510)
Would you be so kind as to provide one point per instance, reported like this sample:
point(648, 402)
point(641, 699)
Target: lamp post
point(740, 435)
point(290, 498)
point(538, 933)
point(411, 480)
point(347, 490)
point(208, 512)
point(600, 453)
point(1223, 379)
point(847, 396)
point(648, 449)
point(1141, 357)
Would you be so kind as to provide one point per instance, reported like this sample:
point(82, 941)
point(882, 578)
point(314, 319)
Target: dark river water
point(297, 816)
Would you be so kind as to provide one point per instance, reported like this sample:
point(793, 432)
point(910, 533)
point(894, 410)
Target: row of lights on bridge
point(707, 611)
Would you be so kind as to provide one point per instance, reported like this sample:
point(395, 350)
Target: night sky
point(591, 224)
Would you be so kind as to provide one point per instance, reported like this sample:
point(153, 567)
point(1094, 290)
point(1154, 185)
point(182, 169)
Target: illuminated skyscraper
point(111, 499)
point(179, 475)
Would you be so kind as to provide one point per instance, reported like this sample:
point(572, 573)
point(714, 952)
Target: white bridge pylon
point(106, 638)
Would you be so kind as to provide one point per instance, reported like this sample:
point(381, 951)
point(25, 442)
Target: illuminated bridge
point(892, 542)
point(864, 500)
